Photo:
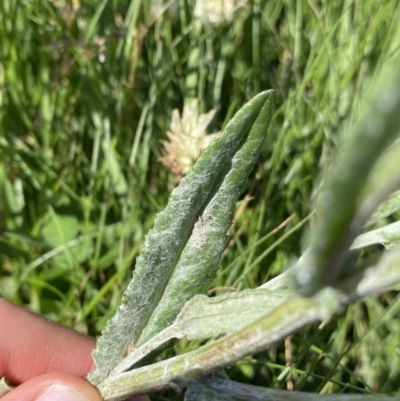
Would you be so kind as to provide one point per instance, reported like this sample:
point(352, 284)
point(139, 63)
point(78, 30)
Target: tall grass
point(86, 94)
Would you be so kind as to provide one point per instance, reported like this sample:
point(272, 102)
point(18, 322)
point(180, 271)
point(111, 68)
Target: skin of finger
point(31, 345)
point(33, 388)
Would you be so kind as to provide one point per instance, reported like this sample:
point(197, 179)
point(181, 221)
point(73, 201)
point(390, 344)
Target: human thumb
point(54, 387)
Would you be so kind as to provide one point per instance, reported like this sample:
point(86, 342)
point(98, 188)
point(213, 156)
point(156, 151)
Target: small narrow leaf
point(202, 318)
point(374, 279)
point(387, 236)
point(163, 245)
point(281, 281)
point(94, 22)
point(386, 209)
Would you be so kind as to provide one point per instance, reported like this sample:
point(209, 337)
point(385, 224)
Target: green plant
point(86, 94)
point(181, 253)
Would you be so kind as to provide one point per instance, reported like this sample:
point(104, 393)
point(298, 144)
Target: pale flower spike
point(187, 139)
point(215, 11)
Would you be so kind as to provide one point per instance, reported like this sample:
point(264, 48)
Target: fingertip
point(61, 392)
point(54, 387)
point(31, 346)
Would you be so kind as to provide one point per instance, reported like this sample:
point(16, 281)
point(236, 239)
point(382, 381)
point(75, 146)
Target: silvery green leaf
point(391, 205)
point(279, 282)
point(288, 317)
point(172, 229)
point(199, 260)
point(203, 318)
point(372, 280)
point(385, 236)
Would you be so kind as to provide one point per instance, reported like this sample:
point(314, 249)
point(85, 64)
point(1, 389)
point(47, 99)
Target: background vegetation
point(86, 94)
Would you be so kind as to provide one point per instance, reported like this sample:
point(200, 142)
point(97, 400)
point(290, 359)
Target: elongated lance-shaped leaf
point(337, 222)
point(286, 318)
point(199, 260)
point(163, 245)
point(203, 317)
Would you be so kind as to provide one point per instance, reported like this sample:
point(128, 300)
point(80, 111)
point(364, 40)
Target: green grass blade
point(164, 243)
point(94, 21)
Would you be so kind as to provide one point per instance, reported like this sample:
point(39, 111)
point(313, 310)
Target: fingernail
point(58, 392)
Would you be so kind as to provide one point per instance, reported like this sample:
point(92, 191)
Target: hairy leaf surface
point(283, 320)
point(199, 260)
point(388, 235)
point(391, 205)
point(203, 317)
point(164, 244)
